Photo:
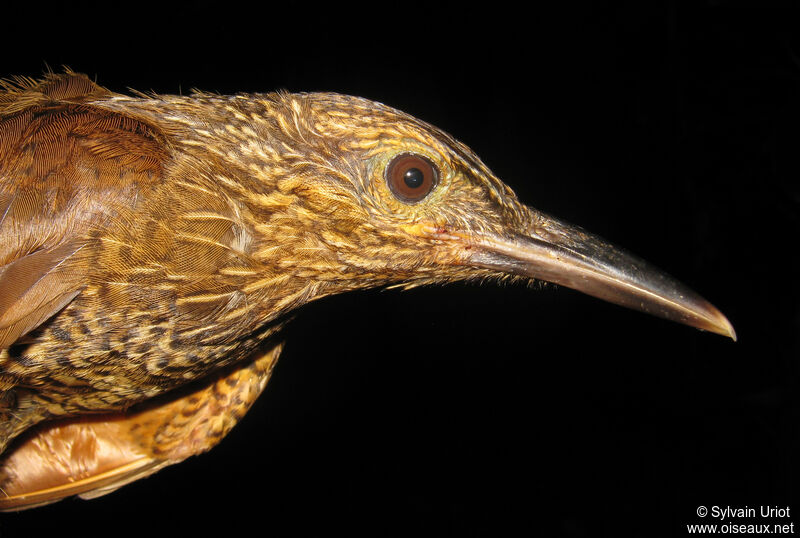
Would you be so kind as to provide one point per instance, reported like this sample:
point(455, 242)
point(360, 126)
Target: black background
point(671, 128)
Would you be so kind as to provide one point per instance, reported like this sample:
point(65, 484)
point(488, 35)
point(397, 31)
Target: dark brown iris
point(411, 177)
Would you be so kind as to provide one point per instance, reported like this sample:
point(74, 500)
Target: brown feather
point(35, 287)
point(92, 456)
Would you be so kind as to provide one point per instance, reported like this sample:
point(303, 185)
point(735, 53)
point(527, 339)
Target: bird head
point(382, 198)
point(347, 193)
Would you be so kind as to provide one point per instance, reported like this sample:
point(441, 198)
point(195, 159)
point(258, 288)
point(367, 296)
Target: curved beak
point(564, 254)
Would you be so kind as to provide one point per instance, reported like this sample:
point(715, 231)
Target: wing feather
point(34, 288)
point(67, 168)
point(93, 456)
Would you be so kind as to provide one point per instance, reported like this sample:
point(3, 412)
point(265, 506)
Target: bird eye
point(411, 177)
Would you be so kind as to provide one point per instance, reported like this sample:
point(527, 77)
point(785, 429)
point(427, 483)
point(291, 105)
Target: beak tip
point(730, 332)
point(721, 325)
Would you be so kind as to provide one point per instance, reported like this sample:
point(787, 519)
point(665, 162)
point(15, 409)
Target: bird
point(152, 247)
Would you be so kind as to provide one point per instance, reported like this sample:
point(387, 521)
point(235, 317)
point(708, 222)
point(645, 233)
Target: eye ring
point(411, 177)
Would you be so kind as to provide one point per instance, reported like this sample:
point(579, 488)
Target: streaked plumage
point(151, 247)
